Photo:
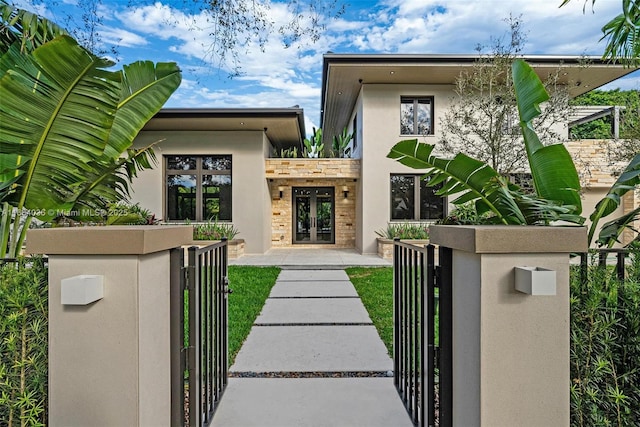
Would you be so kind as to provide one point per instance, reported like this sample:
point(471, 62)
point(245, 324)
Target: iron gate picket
point(199, 331)
point(415, 354)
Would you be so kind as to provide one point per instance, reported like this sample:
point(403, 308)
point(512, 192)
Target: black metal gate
point(199, 305)
point(423, 359)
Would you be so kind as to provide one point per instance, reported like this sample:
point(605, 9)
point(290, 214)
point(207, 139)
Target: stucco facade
point(277, 202)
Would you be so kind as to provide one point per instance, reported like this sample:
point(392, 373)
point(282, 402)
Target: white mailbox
point(535, 280)
point(82, 290)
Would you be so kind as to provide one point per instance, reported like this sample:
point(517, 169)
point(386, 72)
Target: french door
point(314, 215)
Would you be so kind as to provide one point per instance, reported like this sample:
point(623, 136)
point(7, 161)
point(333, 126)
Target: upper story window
point(198, 188)
point(416, 115)
point(412, 199)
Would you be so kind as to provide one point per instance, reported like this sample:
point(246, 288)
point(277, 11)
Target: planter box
point(385, 246)
point(235, 247)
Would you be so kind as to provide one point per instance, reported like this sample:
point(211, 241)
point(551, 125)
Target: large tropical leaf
point(629, 180)
point(554, 174)
point(144, 90)
point(108, 182)
point(474, 181)
point(462, 174)
point(611, 230)
point(58, 107)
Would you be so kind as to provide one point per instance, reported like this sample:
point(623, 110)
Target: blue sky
point(282, 77)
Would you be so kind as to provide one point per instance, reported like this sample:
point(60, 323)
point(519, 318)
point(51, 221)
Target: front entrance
point(314, 215)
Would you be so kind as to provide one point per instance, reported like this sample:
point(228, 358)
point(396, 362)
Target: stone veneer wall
point(288, 173)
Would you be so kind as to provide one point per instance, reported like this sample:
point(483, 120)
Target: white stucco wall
point(380, 115)
point(251, 206)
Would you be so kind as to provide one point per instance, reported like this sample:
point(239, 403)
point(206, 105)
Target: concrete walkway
point(313, 358)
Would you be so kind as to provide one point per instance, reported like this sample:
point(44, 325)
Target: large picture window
point(412, 199)
point(416, 115)
point(198, 188)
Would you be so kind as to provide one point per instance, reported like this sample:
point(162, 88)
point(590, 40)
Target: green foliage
point(23, 343)
point(405, 230)
point(554, 175)
point(67, 123)
point(340, 145)
point(314, 148)
point(622, 34)
point(214, 231)
point(288, 153)
point(466, 214)
point(375, 288)
point(627, 181)
point(605, 349)
point(601, 128)
point(251, 287)
point(474, 181)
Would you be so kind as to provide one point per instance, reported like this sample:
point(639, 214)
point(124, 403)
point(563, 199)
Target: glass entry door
point(313, 215)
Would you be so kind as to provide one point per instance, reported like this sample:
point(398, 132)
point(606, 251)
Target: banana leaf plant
point(554, 175)
point(610, 232)
point(67, 124)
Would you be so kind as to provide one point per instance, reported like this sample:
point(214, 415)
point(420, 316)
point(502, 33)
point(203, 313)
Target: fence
point(420, 364)
point(199, 304)
point(603, 255)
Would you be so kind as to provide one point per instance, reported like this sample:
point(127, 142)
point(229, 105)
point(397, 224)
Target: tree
point(482, 120)
point(232, 25)
point(622, 34)
point(67, 123)
point(554, 175)
point(624, 148)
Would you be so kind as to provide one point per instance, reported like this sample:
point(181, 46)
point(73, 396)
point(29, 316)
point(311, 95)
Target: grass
point(251, 287)
point(375, 287)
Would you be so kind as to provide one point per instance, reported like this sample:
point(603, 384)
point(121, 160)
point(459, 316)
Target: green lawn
point(375, 287)
point(251, 287)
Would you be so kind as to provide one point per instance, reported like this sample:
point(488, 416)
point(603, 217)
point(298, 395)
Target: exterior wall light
point(345, 191)
point(281, 190)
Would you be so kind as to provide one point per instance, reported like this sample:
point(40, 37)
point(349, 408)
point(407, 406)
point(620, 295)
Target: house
point(219, 163)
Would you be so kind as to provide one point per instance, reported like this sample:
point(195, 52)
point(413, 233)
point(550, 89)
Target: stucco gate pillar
point(109, 349)
point(510, 347)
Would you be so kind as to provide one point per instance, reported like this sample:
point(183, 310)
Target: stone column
point(109, 360)
point(510, 349)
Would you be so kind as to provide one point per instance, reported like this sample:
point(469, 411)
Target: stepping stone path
point(313, 358)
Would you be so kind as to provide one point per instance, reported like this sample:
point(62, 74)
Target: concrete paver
point(314, 310)
point(312, 275)
point(311, 402)
point(312, 349)
point(313, 358)
point(312, 288)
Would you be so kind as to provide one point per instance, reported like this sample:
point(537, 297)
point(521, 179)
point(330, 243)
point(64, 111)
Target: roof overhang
point(344, 74)
point(283, 126)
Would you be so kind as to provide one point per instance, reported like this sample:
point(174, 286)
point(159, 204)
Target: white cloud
point(122, 37)
point(276, 77)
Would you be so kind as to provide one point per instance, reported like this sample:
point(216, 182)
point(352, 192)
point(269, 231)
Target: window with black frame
point(413, 199)
point(416, 115)
point(198, 188)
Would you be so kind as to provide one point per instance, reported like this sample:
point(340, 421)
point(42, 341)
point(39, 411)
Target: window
point(416, 116)
point(198, 188)
point(412, 199)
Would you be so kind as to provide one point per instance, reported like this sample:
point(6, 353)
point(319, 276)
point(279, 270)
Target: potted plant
point(414, 232)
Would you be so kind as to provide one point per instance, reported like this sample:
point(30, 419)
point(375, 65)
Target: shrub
point(214, 231)
point(23, 342)
point(405, 231)
point(605, 349)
